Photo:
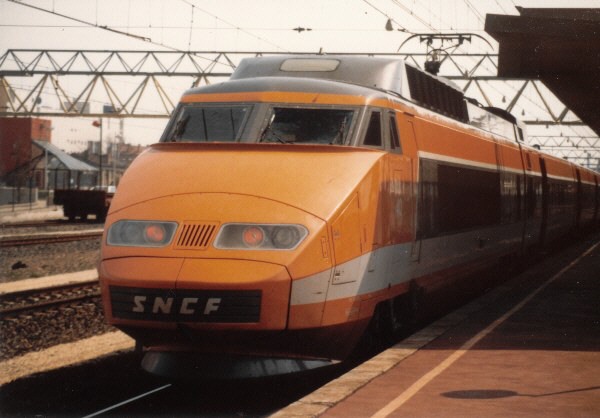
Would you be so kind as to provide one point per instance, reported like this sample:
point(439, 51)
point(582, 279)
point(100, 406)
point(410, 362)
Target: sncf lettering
point(138, 302)
point(162, 305)
point(212, 305)
point(185, 306)
point(168, 305)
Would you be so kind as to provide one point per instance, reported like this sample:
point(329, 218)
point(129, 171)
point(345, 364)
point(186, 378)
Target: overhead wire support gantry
point(147, 83)
point(53, 66)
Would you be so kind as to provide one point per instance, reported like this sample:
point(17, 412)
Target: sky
point(232, 25)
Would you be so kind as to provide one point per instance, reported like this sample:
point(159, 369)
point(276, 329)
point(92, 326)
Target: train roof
point(290, 84)
point(391, 75)
point(367, 77)
point(380, 73)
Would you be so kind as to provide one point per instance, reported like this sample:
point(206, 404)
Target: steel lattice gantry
point(147, 84)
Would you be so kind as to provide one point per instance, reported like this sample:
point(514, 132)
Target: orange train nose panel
point(260, 170)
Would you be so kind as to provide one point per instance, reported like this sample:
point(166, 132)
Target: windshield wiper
point(179, 128)
point(273, 134)
point(340, 134)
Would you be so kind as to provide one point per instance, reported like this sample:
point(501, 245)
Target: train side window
point(373, 134)
point(520, 134)
point(394, 137)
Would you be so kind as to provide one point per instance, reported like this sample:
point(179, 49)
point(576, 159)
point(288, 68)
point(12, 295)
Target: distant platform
point(26, 212)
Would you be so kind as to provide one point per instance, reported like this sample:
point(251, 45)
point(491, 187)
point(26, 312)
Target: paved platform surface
point(37, 211)
point(530, 348)
point(48, 281)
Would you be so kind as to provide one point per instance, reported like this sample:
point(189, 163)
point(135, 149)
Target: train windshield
point(302, 125)
point(208, 123)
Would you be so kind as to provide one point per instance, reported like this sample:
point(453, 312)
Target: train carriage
point(289, 209)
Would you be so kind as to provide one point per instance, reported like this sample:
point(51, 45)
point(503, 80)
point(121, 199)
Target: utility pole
point(98, 124)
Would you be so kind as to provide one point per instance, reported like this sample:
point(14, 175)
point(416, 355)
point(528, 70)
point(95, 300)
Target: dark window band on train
point(456, 198)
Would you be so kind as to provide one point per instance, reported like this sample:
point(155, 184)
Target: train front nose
point(203, 296)
point(202, 261)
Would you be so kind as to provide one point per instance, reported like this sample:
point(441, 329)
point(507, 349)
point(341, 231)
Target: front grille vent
point(196, 235)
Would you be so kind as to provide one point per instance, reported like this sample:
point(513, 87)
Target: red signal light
point(253, 236)
point(154, 233)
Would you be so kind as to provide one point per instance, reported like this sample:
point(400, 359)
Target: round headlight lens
point(285, 237)
point(131, 233)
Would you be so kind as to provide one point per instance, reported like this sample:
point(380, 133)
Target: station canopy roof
point(68, 162)
point(561, 47)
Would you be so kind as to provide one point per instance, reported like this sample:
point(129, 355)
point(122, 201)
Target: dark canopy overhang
point(561, 47)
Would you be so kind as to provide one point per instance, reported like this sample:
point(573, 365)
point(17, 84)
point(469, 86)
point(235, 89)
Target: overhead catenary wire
point(413, 15)
point(102, 27)
point(403, 29)
point(474, 10)
point(234, 26)
point(132, 35)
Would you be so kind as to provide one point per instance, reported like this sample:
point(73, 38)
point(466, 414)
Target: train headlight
point(141, 233)
point(260, 236)
point(253, 236)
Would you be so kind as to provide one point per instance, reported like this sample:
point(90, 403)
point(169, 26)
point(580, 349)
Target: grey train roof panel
point(380, 73)
point(285, 84)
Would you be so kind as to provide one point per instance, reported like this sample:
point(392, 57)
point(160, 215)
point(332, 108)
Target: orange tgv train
point(309, 199)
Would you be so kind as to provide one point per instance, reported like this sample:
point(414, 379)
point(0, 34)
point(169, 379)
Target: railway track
point(48, 237)
point(31, 320)
point(37, 300)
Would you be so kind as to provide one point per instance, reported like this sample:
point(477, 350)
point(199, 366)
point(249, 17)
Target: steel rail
point(50, 238)
point(14, 304)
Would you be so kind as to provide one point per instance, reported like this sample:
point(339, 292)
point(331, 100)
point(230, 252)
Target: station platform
point(529, 348)
point(25, 212)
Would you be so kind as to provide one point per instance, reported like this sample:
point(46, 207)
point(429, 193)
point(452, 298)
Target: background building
point(31, 166)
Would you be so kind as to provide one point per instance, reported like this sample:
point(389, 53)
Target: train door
point(532, 201)
point(406, 131)
point(400, 194)
point(511, 175)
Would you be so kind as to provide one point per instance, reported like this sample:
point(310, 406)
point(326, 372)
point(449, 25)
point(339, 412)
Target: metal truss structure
point(147, 84)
